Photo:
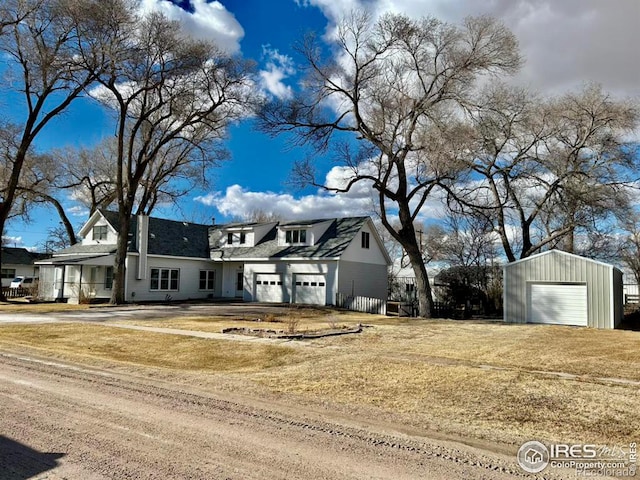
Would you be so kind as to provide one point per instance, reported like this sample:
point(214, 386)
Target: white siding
point(374, 254)
point(189, 282)
point(363, 280)
point(21, 270)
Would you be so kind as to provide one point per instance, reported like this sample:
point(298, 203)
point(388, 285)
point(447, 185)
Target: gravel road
point(64, 421)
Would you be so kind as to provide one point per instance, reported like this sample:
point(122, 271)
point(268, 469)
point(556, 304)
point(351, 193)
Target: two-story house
point(286, 262)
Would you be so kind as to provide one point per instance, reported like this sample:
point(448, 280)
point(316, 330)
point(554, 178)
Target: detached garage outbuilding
point(561, 288)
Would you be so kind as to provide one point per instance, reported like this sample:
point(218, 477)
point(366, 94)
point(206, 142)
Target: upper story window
point(239, 238)
point(365, 240)
point(100, 232)
point(296, 236)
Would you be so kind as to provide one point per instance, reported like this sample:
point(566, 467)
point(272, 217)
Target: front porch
point(78, 280)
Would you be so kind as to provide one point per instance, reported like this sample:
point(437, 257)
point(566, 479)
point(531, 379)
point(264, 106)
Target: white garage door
point(269, 287)
point(310, 289)
point(557, 304)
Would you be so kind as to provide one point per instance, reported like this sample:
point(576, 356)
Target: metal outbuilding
point(560, 288)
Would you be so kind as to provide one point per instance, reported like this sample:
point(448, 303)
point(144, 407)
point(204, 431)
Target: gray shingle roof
point(183, 239)
point(179, 239)
point(166, 237)
point(331, 245)
point(19, 256)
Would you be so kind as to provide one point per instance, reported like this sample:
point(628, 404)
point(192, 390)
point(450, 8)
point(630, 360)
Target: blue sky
point(565, 43)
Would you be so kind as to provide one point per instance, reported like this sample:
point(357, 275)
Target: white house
point(18, 262)
point(295, 262)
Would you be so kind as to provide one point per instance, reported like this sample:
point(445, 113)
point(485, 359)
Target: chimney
point(143, 246)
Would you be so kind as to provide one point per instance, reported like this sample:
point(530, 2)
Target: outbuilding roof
point(559, 253)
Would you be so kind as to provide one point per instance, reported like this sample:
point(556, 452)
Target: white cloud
point(278, 68)
point(10, 241)
point(208, 21)
point(238, 202)
point(565, 44)
point(78, 211)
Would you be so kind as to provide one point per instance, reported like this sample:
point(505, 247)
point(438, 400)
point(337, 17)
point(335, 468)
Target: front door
point(239, 284)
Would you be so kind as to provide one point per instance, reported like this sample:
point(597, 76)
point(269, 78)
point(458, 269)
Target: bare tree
point(172, 98)
point(629, 252)
point(546, 170)
point(39, 45)
point(392, 89)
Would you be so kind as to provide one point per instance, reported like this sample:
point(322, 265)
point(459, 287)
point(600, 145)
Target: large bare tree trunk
point(118, 292)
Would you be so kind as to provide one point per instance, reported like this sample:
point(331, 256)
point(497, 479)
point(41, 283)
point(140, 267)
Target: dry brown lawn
point(479, 380)
point(72, 340)
point(21, 306)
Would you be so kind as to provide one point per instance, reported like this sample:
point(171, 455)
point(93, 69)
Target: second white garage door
point(269, 287)
point(557, 304)
point(310, 289)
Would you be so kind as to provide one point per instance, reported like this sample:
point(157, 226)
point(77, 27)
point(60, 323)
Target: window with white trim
point(207, 279)
point(165, 279)
point(108, 278)
point(100, 232)
point(296, 236)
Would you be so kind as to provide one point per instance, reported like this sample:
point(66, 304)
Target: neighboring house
point(299, 262)
point(18, 262)
point(561, 288)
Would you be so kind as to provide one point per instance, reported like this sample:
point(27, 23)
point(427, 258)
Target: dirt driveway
point(66, 421)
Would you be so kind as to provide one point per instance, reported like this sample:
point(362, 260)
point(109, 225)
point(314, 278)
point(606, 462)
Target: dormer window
point(100, 232)
point(237, 238)
point(296, 236)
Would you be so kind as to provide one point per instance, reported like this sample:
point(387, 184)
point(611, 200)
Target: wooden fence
point(361, 304)
point(16, 292)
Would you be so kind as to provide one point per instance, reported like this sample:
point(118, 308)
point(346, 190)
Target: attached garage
point(560, 288)
point(310, 289)
point(268, 287)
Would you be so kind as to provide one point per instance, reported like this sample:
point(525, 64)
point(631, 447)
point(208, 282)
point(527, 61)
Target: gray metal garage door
point(559, 304)
point(310, 289)
point(269, 287)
